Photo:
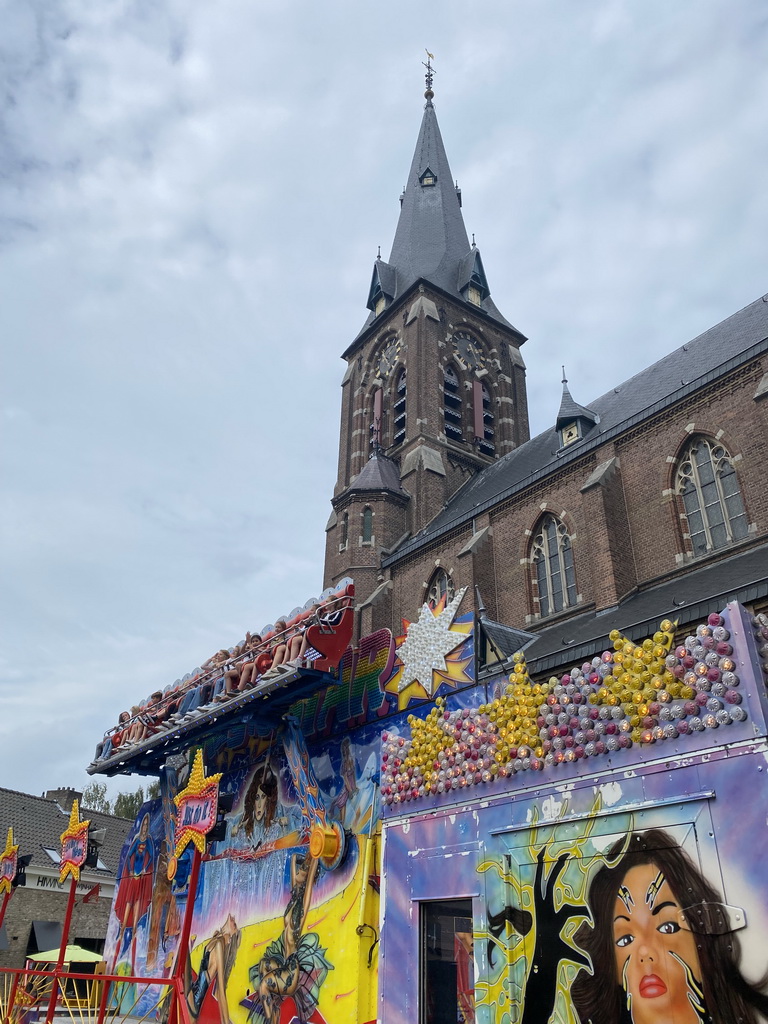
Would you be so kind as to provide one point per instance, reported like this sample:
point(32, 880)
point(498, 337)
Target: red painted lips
point(651, 986)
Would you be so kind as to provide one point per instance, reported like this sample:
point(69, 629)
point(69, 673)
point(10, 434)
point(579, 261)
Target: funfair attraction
point(411, 829)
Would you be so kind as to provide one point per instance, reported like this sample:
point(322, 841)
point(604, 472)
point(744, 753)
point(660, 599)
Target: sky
point(192, 196)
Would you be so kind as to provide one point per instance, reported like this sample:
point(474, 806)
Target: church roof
point(378, 474)
point(682, 372)
point(431, 242)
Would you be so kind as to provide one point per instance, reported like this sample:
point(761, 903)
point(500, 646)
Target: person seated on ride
point(157, 711)
point(248, 669)
point(112, 738)
point(278, 646)
point(137, 729)
point(298, 643)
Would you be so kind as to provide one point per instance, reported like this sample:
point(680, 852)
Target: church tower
point(434, 389)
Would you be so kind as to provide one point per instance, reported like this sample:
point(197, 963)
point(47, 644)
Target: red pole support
point(182, 951)
point(62, 949)
point(11, 999)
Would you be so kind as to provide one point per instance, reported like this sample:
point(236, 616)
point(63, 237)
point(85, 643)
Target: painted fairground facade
point(420, 838)
point(589, 848)
point(285, 915)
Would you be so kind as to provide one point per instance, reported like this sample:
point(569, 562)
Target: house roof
point(38, 823)
point(684, 371)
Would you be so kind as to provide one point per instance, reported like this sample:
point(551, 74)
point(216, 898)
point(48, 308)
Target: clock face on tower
point(388, 357)
point(468, 351)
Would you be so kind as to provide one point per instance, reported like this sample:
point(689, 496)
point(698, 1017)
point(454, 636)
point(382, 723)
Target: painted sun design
point(427, 642)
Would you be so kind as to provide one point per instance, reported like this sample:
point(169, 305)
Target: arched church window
point(452, 412)
point(709, 487)
point(483, 410)
point(552, 557)
point(440, 586)
point(399, 408)
point(376, 428)
point(344, 538)
point(367, 525)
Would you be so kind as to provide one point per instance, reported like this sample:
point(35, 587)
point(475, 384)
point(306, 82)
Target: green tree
point(95, 798)
point(128, 805)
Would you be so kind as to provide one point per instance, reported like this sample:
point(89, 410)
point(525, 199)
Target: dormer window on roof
point(428, 177)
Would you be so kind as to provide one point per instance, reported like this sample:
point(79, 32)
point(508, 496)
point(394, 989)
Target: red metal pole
point(62, 949)
point(182, 951)
point(6, 898)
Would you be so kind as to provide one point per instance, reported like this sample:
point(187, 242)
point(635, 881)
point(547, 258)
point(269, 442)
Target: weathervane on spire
point(430, 74)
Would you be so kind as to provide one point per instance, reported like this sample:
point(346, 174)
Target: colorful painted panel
point(276, 934)
point(630, 900)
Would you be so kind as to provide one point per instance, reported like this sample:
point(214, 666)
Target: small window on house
point(379, 305)
point(474, 295)
point(446, 963)
point(428, 178)
point(367, 525)
point(452, 412)
point(344, 539)
point(552, 557)
point(709, 488)
point(440, 586)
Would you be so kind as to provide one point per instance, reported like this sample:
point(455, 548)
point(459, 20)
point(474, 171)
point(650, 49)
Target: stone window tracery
point(440, 585)
point(708, 485)
point(552, 557)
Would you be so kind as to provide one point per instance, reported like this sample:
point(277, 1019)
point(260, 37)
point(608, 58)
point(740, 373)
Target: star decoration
point(427, 642)
point(74, 844)
point(8, 859)
point(196, 807)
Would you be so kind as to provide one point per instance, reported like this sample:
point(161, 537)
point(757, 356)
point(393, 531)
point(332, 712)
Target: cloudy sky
point(191, 198)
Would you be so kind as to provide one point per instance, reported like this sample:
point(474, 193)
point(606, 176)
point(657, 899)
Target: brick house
point(646, 502)
point(36, 911)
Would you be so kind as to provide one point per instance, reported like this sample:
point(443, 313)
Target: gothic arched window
point(452, 413)
point(399, 408)
point(376, 429)
point(344, 531)
point(707, 483)
point(439, 586)
point(367, 525)
point(484, 431)
point(552, 557)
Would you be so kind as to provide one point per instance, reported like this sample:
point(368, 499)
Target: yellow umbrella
point(72, 954)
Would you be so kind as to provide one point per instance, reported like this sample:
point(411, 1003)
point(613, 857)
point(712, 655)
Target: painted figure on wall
point(294, 965)
point(134, 894)
point(668, 960)
point(209, 985)
point(348, 781)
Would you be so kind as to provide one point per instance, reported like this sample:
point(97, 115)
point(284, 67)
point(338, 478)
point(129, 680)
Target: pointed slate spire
point(431, 242)
point(571, 412)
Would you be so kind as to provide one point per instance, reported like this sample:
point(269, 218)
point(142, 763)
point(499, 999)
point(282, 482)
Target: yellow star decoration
point(8, 854)
point(638, 673)
point(76, 830)
point(200, 786)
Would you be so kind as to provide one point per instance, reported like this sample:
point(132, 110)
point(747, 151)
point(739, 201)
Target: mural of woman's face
point(260, 805)
point(656, 960)
point(144, 829)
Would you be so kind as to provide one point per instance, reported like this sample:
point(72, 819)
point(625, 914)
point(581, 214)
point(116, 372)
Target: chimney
point(64, 797)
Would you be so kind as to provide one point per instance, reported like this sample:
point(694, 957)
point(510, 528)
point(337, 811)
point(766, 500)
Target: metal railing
point(34, 996)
